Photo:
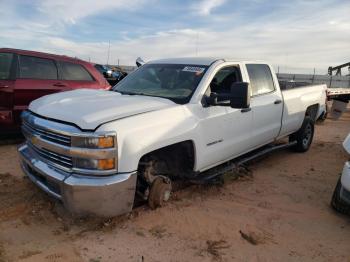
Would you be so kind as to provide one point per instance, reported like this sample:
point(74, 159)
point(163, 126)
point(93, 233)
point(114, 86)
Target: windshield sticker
point(194, 69)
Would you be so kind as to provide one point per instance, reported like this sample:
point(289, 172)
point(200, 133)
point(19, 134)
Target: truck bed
point(296, 101)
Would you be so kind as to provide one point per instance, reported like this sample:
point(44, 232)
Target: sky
point(296, 36)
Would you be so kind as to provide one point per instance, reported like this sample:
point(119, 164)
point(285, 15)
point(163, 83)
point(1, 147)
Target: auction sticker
point(194, 69)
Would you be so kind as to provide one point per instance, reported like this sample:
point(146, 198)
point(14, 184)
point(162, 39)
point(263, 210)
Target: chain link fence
point(330, 81)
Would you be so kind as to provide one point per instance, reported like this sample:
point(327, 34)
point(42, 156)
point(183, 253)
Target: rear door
point(36, 77)
point(7, 80)
point(77, 76)
point(266, 104)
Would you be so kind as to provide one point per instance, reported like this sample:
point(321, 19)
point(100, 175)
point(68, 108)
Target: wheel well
point(179, 158)
point(311, 111)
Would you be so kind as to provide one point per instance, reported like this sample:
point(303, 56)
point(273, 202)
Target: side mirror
point(240, 97)
point(140, 62)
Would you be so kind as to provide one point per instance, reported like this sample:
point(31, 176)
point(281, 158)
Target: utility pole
point(197, 44)
point(109, 49)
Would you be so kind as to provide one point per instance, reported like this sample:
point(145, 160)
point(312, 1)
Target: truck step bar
point(211, 175)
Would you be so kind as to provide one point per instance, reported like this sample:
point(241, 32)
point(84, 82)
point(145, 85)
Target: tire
point(337, 203)
point(304, 135)
point(323, 117)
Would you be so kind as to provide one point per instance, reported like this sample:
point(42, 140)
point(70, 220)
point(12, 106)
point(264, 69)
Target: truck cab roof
point(199, 61)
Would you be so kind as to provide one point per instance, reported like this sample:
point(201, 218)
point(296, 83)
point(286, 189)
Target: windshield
point(176, 82)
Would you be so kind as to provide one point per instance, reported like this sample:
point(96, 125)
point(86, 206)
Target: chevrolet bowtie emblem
point(34, 140)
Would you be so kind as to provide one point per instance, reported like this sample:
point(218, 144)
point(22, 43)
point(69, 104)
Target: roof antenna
point(197, 44)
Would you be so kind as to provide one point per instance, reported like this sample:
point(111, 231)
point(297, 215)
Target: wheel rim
point(307, 136)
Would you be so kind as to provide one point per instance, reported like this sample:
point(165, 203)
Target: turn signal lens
point(106, 142)
point(106, 164)
point(93, 142)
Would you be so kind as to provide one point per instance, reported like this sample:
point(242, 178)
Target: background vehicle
point(27, 75)
point(341, 195)
point(112, 75)
point(140, 62)
point(170, 120)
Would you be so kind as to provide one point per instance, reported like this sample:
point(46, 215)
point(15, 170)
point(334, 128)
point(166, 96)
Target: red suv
point(27, 75)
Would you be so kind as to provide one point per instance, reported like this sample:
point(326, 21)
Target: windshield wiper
point(129, 93)
point(125, 93)
point(175, 100)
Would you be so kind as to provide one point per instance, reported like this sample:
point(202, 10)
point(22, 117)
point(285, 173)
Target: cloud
point(297, 36)
point(71, 12)
point(205, 7)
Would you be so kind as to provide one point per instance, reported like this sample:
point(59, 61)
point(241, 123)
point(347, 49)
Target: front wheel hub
point(160, 192)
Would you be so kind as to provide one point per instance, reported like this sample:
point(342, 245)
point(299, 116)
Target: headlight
point(94, 164)
point(98, 153)
point(93, 142)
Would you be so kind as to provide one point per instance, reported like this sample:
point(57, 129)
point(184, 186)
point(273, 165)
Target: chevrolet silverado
point(169, 120)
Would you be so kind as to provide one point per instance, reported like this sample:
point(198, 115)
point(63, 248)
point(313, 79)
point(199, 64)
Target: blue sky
point(295, 35)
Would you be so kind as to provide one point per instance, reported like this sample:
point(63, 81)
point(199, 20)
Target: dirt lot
point(279, 213)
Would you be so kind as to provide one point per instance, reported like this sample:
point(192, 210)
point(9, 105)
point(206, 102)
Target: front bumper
point(345, 182)
point(104, 196)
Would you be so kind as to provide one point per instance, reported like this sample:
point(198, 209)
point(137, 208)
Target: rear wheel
point(337, 203)
point(304, 135)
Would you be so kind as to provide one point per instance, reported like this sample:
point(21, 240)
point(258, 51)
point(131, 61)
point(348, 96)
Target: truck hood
point(88, 108)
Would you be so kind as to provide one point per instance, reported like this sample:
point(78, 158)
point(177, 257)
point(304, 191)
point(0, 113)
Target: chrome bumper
point(82, 195)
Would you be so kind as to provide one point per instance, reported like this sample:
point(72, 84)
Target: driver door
point(225, 131)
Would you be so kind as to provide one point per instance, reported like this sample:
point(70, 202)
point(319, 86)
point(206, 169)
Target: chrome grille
point(46, 134)
point(53, 157)
point(51, 142)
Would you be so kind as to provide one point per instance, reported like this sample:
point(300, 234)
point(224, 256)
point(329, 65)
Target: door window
point(5, 65)
point(261, 81)
point(75, 72)
point(223, 80)
point(37, 68)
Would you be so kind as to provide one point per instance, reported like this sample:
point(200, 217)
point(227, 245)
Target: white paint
point(144, 124)
point(345, 178)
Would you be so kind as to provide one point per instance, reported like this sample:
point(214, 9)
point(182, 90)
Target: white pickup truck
point(169, 120)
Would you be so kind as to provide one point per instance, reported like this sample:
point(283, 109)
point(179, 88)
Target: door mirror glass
point(240, 97)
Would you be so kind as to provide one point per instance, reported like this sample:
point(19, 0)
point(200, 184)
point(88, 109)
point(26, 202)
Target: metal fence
point(330, 81)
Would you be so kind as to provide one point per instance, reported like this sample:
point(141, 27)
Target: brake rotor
point(160, 192)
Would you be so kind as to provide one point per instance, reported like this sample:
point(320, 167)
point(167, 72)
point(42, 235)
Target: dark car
point(112, 75)
point(28, 75)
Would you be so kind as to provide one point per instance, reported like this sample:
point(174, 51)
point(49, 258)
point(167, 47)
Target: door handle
point(4, 86)
point(59, 84)
point(278, 101)
point(244, 110)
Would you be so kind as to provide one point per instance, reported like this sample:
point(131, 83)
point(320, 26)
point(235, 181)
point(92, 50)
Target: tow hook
point(160, 192)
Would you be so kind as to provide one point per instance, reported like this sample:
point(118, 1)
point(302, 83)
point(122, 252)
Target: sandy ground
point(279, 213)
